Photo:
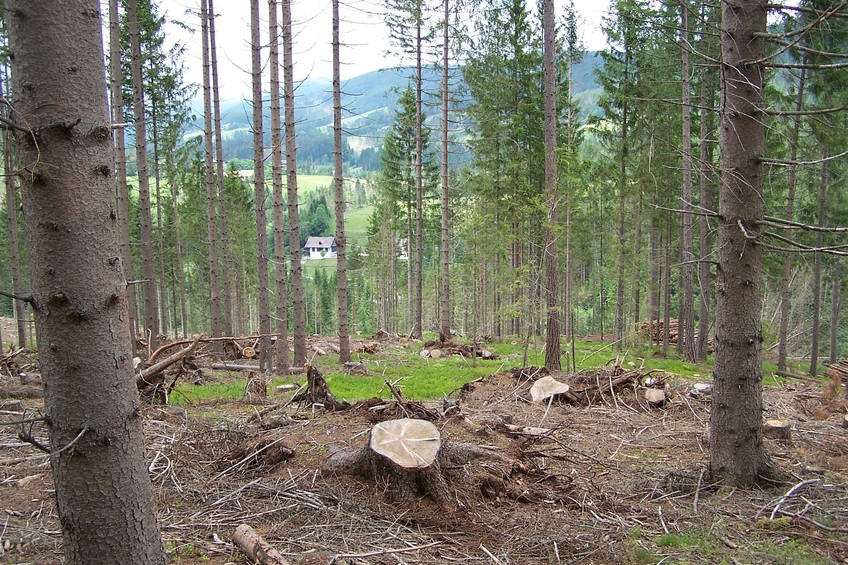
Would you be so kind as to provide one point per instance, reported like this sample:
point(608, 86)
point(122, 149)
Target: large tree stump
point(407, 458)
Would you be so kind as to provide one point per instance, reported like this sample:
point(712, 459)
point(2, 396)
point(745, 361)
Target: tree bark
point(298, 304)
point(281, 349)
point(151, 310)
point(78, 285)
point(737, 454)
point(553, 353)
point(211, 197)
point(338, 181)
point(263, 300)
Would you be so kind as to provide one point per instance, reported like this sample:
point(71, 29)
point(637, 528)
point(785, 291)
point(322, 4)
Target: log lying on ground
point(410, 459)
point(257, 548)
point(244, 367)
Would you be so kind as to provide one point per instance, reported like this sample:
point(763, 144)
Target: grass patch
point(431, 379)
point(787, 552)
point(356, 225)
point(187, 394)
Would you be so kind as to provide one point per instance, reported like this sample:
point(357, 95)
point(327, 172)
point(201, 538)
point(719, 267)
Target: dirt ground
point(617, 481)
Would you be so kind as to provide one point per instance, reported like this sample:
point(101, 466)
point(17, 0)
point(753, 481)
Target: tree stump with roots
point(409, 460)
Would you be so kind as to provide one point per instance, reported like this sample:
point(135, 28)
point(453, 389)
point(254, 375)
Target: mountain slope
point(368, 103)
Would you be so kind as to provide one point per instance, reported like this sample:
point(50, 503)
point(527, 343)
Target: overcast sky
point(363, 33)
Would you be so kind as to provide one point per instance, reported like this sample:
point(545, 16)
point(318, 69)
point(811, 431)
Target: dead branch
point(202, 339)
point(257, 548)
point(237, 367)
point(142, 381)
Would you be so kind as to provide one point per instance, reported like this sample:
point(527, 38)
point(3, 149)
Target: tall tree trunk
point(705, 241)
point(281, 350)
point(551, 258)
point(291, 167)
point(151, 311)
point(786, 278)
point(618, 336)
point(338, 180)
point(419, 181)
point(103, 494)
point(656, 277)
point(687, 322)
point(410, 262)
point(263, 306)
point(12, 226)
point(211, 195)
point(666, 288)
point(637, 261)
point(225, 274)
point(817, 268)
point(834, 310)
point(737, 455)
point(121, 188)
point(445, 303)
point(160, 233)
point(178, 248)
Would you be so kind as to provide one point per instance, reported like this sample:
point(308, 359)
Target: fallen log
point(245, 367)
point(257, 548)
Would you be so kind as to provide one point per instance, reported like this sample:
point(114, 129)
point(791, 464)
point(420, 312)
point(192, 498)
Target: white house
point(320, 247)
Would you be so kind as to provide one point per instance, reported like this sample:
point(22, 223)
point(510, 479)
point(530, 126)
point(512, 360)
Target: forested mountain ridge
point(369, 102)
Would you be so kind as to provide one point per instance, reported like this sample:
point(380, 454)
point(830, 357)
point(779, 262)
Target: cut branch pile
point(463, 349)
point(380, 410)
point(583, 388)
point(259, 454)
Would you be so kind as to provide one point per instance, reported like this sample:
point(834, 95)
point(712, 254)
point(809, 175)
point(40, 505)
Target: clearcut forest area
point(565, 285)
point(602, 477)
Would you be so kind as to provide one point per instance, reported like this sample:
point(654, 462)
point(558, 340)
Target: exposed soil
point(616, 481)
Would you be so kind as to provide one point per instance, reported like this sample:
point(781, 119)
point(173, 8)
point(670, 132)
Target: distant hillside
point(369, 103)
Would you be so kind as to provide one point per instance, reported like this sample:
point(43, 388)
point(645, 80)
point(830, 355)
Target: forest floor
point(613, 481)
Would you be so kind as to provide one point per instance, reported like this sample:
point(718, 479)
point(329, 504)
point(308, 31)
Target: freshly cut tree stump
point(777, 429)
point(545, 388)
point(408, 458)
